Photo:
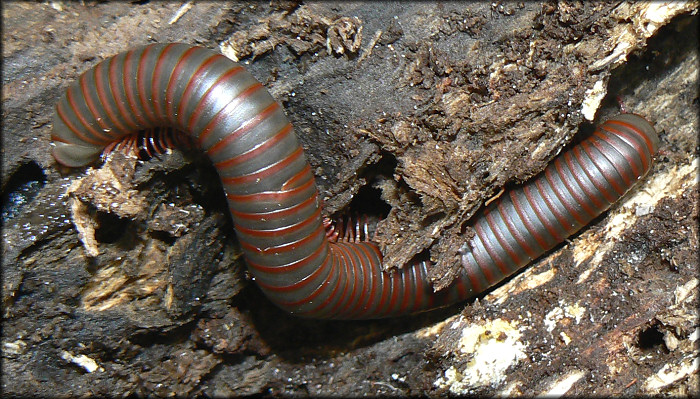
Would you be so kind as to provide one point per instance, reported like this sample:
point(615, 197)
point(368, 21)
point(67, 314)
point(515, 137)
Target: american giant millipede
point(273, 197)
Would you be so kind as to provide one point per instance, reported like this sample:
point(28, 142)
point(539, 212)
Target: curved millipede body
point(146, 144)
point(273, 197)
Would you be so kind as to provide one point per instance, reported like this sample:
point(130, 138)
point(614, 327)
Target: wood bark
point(413, 113)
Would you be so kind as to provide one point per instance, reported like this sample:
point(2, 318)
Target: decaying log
point(127, 278)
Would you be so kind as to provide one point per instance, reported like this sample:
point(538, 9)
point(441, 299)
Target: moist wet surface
point(137, 284)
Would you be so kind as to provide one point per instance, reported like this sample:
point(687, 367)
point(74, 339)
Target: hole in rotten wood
point(21, 188)
point(650, 338)
point(111, 227)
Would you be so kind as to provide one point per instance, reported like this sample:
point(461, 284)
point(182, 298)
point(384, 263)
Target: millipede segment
point(301, 266)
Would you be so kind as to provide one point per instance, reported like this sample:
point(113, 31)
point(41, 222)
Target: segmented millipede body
point(273, 197)
point(146, 144)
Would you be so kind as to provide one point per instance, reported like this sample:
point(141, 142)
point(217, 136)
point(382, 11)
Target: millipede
point(299, 265)
point(149, 143)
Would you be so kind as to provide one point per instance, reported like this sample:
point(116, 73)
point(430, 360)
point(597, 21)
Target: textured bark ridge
point(127, 278)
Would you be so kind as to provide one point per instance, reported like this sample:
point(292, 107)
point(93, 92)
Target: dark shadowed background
point(412, 113)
